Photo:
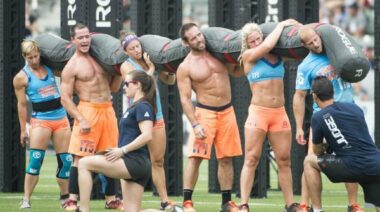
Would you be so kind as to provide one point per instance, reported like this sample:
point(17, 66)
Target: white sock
point(317, 210)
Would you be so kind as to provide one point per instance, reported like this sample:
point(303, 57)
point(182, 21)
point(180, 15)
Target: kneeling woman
point(131, 160)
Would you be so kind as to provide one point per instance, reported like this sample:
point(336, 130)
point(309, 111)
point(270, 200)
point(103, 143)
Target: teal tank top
point(264, 70)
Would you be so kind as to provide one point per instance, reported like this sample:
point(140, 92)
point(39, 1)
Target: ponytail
point(148, 87)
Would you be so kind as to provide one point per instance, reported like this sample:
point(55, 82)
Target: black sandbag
point(166, 54)
point(55, 51)
point(223, 43)
point(289, 45)
point(108, 52)
point(344, 53)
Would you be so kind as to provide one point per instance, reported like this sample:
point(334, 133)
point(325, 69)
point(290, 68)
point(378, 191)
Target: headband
point(128, 39)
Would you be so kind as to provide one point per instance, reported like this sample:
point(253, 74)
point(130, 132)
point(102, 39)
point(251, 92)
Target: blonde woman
point(36, 82)
point(267, 117)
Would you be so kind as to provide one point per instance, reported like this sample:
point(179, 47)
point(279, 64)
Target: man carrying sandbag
point(213, 120)
point(316, 64)
point(95, 127)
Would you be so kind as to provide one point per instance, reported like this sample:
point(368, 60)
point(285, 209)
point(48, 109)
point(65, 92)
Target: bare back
point(209, 79)
point(91, 83)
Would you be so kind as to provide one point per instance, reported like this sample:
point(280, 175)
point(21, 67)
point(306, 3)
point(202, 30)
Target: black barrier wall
point(164, 18)
point(12, 155)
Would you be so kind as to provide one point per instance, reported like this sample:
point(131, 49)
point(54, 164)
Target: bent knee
point(158, 162)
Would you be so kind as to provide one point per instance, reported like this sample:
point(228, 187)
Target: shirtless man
point(95, 127)
point(213, 120)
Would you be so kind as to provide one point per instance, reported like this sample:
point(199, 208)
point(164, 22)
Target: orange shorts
point(267, 119)
point(104, 132)
point(53, 125)
point(159, 124)
point(221, 130)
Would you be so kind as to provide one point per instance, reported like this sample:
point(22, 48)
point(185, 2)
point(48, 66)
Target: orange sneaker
point(188, 206)
point(230, 206)
point(304, 208)
point(70, 205)
point(116, 204)
point(354, 208)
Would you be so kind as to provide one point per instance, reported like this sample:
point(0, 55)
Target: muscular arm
point(253, 54)
point(299, 114)
point(19, 84)
point(146, 128)
point(299, 107)
point(184, 88)
point(67, 89)
point(166, 77)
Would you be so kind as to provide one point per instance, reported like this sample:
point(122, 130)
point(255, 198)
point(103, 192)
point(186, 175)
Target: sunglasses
point(126, 83)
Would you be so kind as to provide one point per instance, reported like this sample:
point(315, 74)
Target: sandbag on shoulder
point(223, 43)
point(55, 51)
point(166, 54)
point(344, 53)
point(289, 45)
point(108, 52)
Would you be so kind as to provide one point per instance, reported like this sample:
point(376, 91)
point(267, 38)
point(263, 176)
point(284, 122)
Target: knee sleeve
point(36, 157)
point(64, 164)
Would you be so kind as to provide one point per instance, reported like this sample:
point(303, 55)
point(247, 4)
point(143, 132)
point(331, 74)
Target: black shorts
point(337, 172)
point(139, 167)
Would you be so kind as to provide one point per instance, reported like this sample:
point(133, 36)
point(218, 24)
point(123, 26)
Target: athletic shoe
point(188, 206)
point(354, 208)
point(244, 207)
point(167, 206)
point(230, 206)
point(116, 204)
point(70, 205)
point(294, 207)
point(25, 204)
point(304, 208)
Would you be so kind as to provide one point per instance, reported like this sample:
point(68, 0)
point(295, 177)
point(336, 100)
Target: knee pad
point(64, 164)
point(36, 157)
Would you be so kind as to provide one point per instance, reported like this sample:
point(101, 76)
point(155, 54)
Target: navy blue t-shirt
point(345, 130)
point(129, 124)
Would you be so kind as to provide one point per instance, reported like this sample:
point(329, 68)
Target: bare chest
point(89, 70)
point(206, 69)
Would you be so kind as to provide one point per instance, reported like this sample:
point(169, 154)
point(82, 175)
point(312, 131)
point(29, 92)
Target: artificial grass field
point(46, 195)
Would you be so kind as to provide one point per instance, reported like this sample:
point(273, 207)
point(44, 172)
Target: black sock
point(110, 188)
point(64, 196)
point(226, 196)
point(73, 181)
point(187, 193)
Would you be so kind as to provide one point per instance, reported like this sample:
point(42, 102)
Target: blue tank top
point(264, 70)
point(42, 90)
point(159, 114)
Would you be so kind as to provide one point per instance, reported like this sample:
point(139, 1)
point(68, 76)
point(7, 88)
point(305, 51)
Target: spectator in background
point(31, 26)
point(354, 22)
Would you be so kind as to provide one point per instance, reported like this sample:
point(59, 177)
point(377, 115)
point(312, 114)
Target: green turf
point(45, 196)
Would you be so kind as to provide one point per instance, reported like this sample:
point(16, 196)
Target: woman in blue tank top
point(139, 61)
point(267, 117)
point(36, 83)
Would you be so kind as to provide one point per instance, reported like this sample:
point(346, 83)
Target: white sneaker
point(24, 204)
